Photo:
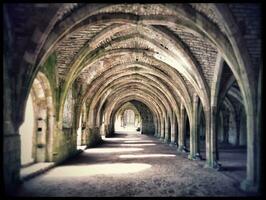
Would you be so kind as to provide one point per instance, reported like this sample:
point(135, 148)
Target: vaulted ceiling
point(161, 50)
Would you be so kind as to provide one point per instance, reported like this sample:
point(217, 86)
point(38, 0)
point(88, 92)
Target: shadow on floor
point(233, 168)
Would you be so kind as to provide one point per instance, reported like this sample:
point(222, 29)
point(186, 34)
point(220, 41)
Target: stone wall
point(248, 17)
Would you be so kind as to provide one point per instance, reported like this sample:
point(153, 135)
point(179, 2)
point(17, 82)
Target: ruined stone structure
point(185, 73)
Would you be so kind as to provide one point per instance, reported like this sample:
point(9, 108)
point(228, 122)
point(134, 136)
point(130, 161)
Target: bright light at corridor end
point(96, 169)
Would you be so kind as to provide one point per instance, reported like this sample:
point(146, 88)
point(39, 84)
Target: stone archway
point(43, 119)
point(228, 42)
point(127, 118)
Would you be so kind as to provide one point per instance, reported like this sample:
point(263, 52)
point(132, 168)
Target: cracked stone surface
point(131, 165)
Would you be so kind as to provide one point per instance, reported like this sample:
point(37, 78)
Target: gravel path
point(131, 165)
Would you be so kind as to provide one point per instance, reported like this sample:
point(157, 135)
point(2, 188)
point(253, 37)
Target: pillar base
point(198, 157)
point(166, 141)
point(172, 144)
point(182, 149)
point(249, 186)
point(190, 157)
point(217, 166)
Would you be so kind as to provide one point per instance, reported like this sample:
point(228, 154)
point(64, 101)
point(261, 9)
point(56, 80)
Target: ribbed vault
point(164, 56)
point(166, 62)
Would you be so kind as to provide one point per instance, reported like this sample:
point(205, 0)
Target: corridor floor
point(131, 165)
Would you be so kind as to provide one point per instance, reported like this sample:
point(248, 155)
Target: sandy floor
point(132, 165)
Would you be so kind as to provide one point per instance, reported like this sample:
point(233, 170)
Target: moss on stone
point(49, 69)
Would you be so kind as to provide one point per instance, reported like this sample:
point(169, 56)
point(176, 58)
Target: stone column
point(211, 140)
point(226, 128)
point(109, 130)
point(50, 138)
point(167, 136)
point(181, 132)
point(207, 114)
point(243, 129)
point(158, 129)
point(214, 138)
point(155, 127)
point(162, 130)
point(41, 137)
point(83, 133)
point(214, 133)
point(11, 157)
point(173, 130)
point(94, 136)
point(237, 119)
point(122, 120)
point(252, 181)
point(194, 139)
point(102, 129)
point(197, 138)
point(220, 127)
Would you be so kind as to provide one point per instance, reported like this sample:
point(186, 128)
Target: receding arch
point(157, 117)
point(120, 120)
point(228, 42)
point(43, 121)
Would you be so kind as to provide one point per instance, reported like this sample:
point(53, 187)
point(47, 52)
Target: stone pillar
point(162, 130)
point(197, 138)
point(11, 157)
point(167, 136)
point(94, 136)
point(50, 137)
point(181, 132)
point(232, 131)
point(83, 133)
point(252, 181)
point(112, 128)
point(193, 129)
point(155, 128)
point(102, 130)
point(211, 140)
point(122, 121)
point(243, 130)
point(237, 118)
point(173, 130)
point(41, 138)
point(214, 138)
point(158, 128)
point(226, 128)
point(220, 127)
point(109, 130)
